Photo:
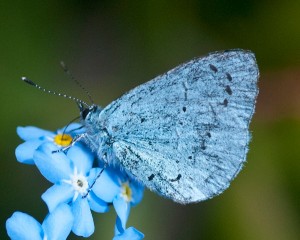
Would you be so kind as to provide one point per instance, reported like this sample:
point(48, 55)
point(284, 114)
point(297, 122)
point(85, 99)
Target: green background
point(112, 46)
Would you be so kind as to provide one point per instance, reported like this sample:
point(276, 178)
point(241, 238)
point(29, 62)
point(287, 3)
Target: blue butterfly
point(184, 134)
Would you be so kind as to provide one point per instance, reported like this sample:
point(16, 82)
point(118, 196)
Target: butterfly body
point(184, 134)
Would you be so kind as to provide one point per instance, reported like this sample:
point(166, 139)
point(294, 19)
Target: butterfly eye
point(84, 113)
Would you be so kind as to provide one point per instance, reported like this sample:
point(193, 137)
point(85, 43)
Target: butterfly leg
point(97, 177)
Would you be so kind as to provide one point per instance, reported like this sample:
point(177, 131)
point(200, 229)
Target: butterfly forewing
point(185, 133)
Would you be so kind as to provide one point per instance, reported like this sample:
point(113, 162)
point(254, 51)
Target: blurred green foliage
point(112, 46)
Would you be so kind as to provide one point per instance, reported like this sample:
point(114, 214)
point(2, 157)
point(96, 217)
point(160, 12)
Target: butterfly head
point(86, 110)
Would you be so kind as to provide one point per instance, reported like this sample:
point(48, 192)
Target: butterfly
point(184, 134)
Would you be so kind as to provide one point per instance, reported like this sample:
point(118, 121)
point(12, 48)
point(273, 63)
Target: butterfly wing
point(185, 133)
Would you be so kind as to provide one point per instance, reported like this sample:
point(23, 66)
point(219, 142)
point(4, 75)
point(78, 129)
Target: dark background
point(112, 46)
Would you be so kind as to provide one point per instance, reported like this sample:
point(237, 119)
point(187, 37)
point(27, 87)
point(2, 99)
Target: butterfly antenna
point(67, 71)
point(25, 79)
point(73, 120)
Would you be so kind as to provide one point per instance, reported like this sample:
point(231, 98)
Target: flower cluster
point(78, 187)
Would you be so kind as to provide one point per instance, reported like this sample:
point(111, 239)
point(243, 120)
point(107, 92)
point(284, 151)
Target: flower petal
point(137, 192)
point(122, 208)
point(106, 186)
point(23, 226)
point(24, 152)
point(58, 224)
point(97, 204)
point(82, 158)
point(83, 219)
point(53, 166)
point(118, 227)
point(130, 233)
point(57, 194)
point(30, 132)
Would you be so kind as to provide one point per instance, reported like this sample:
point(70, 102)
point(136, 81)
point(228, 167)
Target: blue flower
point(72, 175)
point(56, 226)
point(34, 137)
point(76, 183)
point(123, 192)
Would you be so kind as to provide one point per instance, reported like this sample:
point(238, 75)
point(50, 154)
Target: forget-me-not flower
point(34, 137)
point(124, 192)
point(56, 226)
point(76, 183)
point(71, 176)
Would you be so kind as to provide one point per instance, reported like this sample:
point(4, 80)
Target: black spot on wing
point(150, 178)
point(225, 102)
point(228, 90)
point(229, 77)
point(176, 179)
point(213, 68)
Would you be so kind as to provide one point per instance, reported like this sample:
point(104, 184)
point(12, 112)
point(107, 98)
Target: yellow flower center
point(63, 139)
point(126, 192)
